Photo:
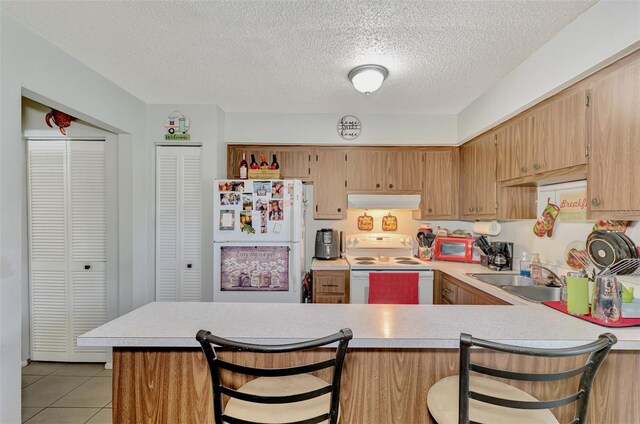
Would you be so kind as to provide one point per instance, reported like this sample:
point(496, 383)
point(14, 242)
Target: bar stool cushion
point(442, 401)
point(280, 386)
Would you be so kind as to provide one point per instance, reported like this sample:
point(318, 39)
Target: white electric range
point(367, 253)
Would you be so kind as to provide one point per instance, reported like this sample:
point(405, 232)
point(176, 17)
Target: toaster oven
point(457, 249)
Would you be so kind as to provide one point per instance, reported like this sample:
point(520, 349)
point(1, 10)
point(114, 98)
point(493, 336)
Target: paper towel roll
point(488, 228)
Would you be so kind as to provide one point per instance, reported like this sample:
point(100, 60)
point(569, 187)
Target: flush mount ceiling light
point(368, 78)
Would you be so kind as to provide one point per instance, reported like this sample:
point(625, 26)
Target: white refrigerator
point(258, 241)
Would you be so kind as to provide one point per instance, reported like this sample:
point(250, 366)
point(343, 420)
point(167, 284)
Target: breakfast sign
point(573, 205)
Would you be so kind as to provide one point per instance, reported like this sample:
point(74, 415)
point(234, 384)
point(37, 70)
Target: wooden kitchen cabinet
point(449, 290)
point(478, 178)
point(330, 184)
point(440, 187)
point(404, 170)
point(366, 169)
point(515, 149)
point(560, 132)
point(390, 170)
point(614, 165)
point(295, 161)
point(331, 286)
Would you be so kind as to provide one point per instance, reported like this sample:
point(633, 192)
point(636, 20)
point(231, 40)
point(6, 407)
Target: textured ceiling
point(294, 56)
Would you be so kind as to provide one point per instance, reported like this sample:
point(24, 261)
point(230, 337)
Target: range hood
point(384, 201)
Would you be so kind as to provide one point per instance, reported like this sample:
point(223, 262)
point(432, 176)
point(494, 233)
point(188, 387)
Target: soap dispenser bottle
point(525, 265)
point(536, 273)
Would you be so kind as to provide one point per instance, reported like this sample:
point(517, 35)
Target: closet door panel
point(89, 308)
point(47, 195)
point(166, 226)
point(191, 231)
point(88, 242)
point(49, 316)
point(88, 201)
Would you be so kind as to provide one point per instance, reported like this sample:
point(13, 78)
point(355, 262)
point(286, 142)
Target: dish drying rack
point(625, 267)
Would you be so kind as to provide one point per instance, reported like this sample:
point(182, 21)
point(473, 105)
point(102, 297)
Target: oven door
point(359, 285)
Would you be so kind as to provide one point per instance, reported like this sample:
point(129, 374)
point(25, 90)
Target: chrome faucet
point(555, 279)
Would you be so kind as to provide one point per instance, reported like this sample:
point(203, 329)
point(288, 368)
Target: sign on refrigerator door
point(254, 268)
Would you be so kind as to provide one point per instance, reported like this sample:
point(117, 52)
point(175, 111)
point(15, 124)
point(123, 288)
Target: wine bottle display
point(243, 167)
point(274, 163)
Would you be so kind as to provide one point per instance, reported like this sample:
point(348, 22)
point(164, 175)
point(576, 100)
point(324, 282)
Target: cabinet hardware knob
point(390, 185)
point(536, 166)
point(189, 265)
point(339, 300)
point(470, 209)
point(523, 169)
point(429, 210)
point(377, 185)
point(87, 267)
point(339, 209)
point(595, 201)
point(478, 209)
point(445, 290)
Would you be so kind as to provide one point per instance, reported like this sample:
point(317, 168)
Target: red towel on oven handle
point(393, 288)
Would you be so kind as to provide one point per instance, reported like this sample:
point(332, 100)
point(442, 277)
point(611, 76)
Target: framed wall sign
point(349, 127)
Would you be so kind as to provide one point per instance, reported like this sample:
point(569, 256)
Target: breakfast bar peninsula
point(398, 352)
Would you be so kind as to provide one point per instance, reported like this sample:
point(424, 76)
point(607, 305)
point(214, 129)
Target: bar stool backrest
point(207, 340)
point(597, 351)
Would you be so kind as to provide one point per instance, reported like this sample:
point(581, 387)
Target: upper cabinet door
point(295, 163)
point(329, 191)
point(366, 169)
point(560, 133)
point(485, 176)
point(404, 170)
point(467, 179)
point(614, 166)
point(515, 148)
point(440, 183)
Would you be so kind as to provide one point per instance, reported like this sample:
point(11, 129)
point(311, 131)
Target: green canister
point(578, 293)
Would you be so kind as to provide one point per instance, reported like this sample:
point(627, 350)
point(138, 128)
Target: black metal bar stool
point(461, 399)
point(277, 395)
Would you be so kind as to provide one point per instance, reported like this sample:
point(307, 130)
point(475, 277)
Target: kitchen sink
point(505, 279)
point(535, 293)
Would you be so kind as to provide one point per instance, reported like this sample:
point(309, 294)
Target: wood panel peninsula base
point(165, 385)
point(398, 352)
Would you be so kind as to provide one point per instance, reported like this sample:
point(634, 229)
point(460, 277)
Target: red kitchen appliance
point(458, 249)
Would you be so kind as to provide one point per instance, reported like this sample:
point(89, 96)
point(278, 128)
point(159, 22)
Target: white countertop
point(329, 265)
point(168, 324)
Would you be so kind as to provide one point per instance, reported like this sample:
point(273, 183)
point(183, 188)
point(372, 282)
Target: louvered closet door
point(178, 224)
point(88, 243)
point(190, 226)
point(48, 250)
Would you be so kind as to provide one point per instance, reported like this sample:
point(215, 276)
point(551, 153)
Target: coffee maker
point(501, 258)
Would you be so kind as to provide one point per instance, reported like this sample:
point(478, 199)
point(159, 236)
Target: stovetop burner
point(408, 262)
point(403, 259)
point(365, 263)
point(364, 258)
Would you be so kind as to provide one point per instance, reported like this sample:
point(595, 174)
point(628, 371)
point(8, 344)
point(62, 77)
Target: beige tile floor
point(66, 393)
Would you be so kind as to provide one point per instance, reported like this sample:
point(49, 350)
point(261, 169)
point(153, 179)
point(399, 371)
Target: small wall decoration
point(544, 225)
point(389, 223)
point(254, 268)
point(177, 126)
point(61, 119)
point(365, 222)
point(349, 127)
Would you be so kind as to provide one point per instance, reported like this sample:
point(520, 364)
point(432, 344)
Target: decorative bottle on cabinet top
point(243, 167)
point(254, 164)
point(274, 163)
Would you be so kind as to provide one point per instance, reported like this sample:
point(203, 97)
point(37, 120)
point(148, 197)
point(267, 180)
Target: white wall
point(32, 67)
point(603, 33)
point(206, 127)
point(305, 128)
